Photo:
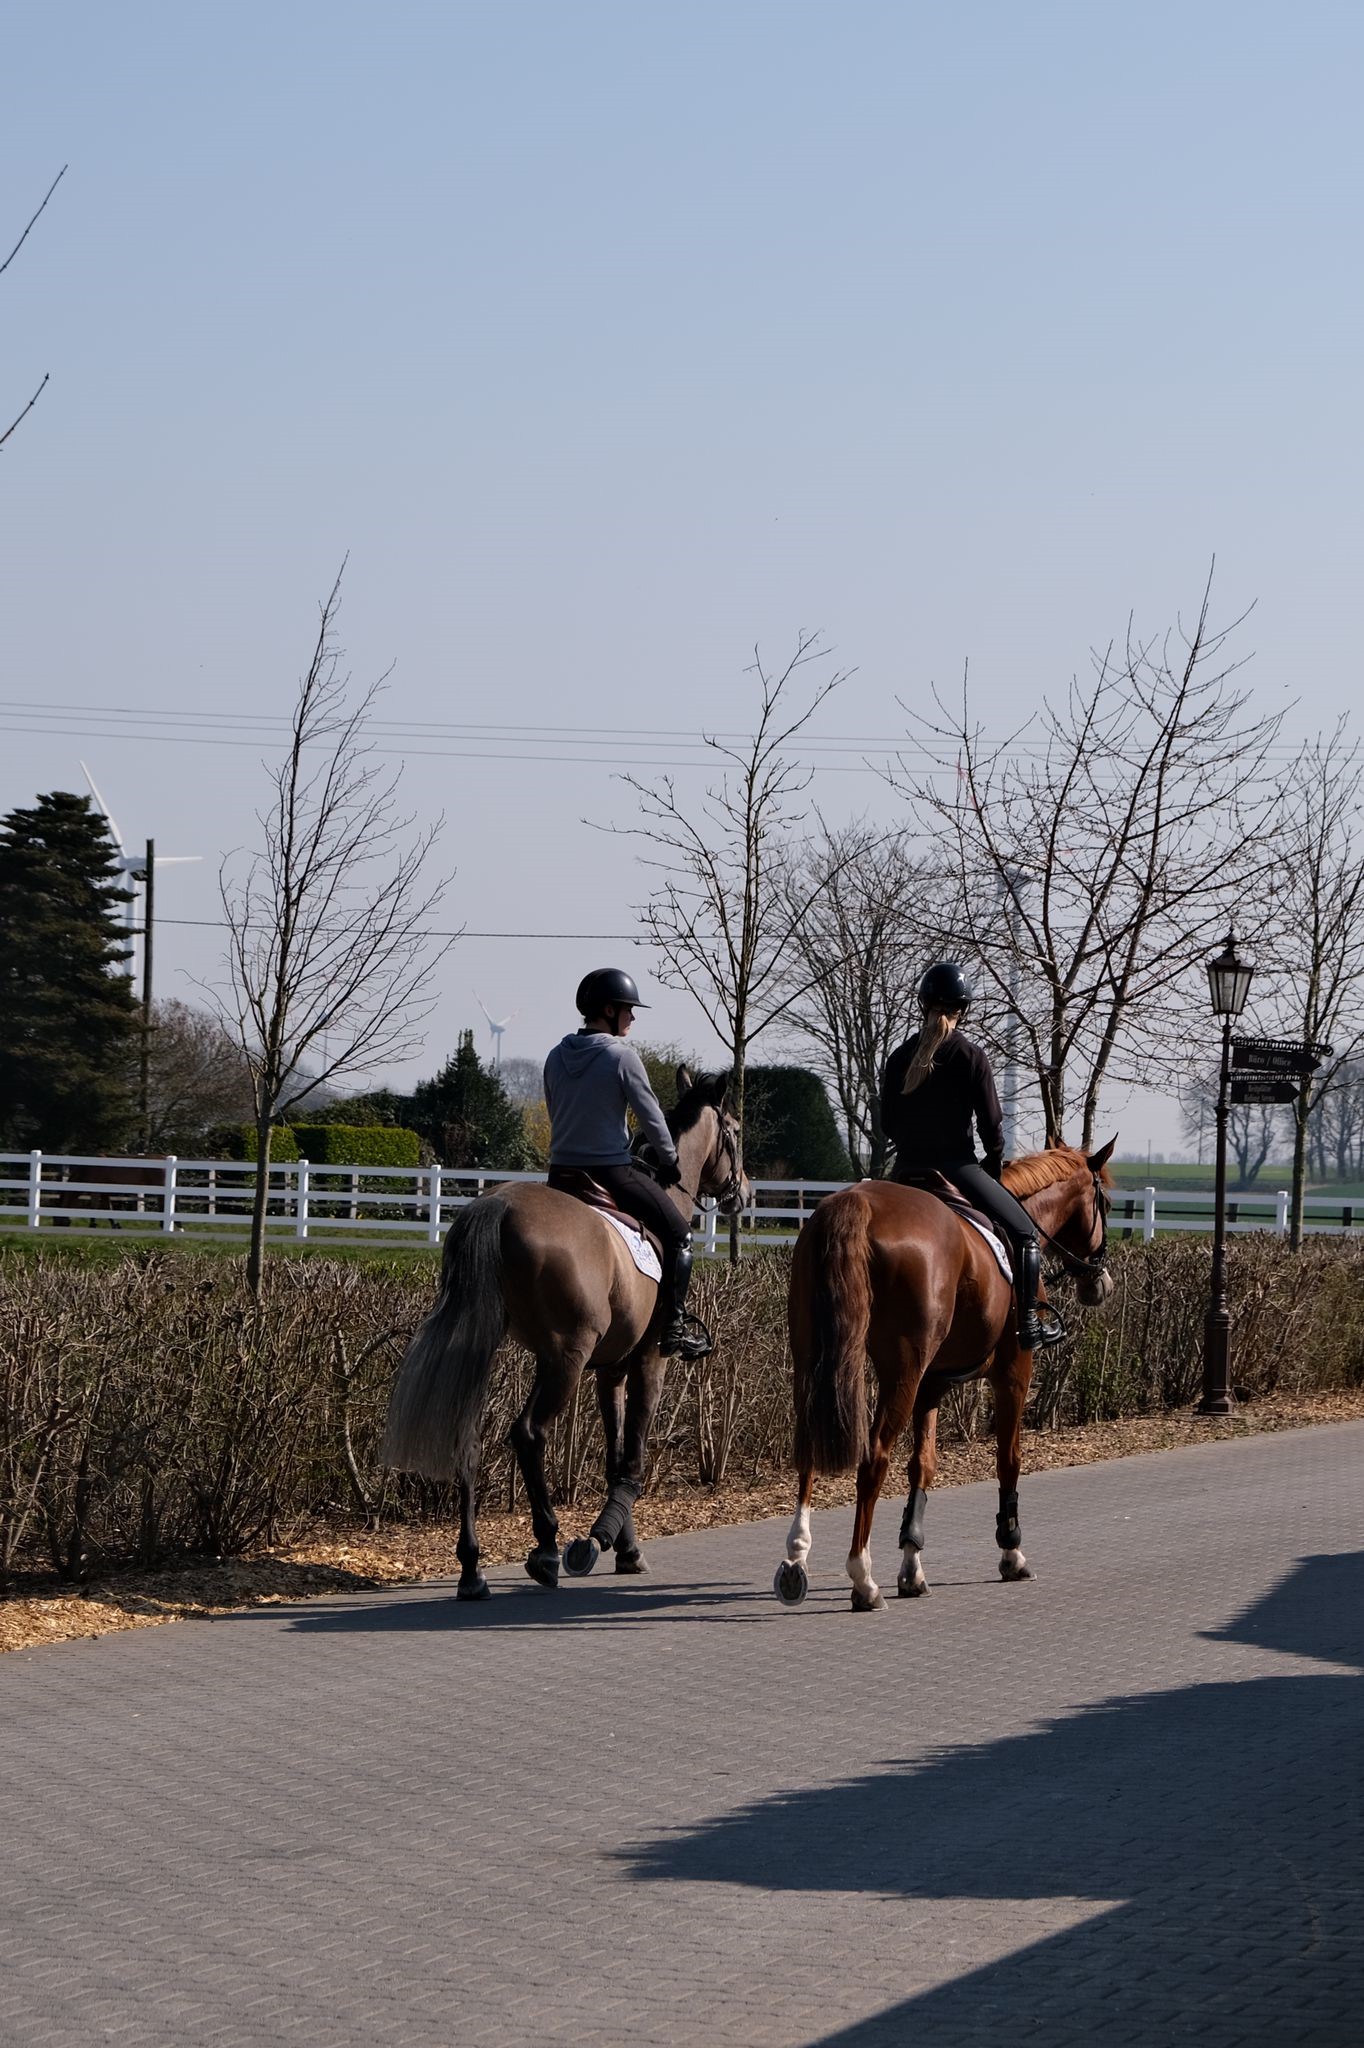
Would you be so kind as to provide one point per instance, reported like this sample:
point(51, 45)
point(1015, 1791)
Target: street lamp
point(1228, 985)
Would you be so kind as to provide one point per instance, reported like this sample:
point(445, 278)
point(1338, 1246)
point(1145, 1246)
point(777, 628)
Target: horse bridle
point(730, 1195)
point(1075, 1265)
point(731, 1190)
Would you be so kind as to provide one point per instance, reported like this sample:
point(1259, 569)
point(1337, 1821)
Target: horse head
point(704, 1123)
point(1066, 1191)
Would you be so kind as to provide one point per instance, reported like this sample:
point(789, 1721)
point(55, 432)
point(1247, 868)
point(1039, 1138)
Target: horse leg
point(1009, 1379)
point(923, 1467)
point(871, 1477)
point(472, 1584)
point(582, 1555)
point(792, 1583)
point(549, 1396)
point(615, 1525)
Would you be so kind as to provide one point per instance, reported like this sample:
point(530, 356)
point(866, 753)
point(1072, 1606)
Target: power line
point(220, 924)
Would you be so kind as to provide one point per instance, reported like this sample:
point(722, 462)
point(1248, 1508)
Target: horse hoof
point(474, 1589)
point(913, 1589)
point(580, 1557)
point(543, 1566)
point(867, 1603)
point(791, 1583)
point(1010, 1570)
point(630, 1564)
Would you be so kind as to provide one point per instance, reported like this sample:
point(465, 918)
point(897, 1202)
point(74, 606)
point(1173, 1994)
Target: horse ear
point(1097, 1161)
point(685, 1081)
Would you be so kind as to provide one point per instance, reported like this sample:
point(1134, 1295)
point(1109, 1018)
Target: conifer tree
point(465, 1115)
point(68, 1021)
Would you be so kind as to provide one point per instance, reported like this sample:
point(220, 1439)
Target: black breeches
point(985, 1193)
point(642, 1197)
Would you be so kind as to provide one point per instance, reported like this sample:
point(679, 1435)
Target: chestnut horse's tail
point(830, 1317)
point(435, 1411)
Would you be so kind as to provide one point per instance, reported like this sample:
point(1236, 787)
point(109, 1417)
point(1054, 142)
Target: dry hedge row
point(148, 1407)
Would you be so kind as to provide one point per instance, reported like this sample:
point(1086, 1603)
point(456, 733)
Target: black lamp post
point(1229, 985)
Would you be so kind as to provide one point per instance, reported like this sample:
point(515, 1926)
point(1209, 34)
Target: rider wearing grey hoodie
point(591, 1078)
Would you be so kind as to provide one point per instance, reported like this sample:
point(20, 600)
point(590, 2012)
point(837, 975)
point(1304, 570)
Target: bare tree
point(1317, 892)
point(197, 1077)
point(328, 943)
point(1094, 857)
point(1336, 1124)
point(1252, 1127)
point(719, 920)
point(872, 914)
point(3, 268)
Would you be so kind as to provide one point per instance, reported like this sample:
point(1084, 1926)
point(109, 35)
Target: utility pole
point(144, 1090)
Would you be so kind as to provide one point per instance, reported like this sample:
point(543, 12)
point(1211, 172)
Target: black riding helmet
point(944, 987)
point(606, 985)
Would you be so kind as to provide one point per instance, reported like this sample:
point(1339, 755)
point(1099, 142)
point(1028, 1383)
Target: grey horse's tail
point(435, 1411)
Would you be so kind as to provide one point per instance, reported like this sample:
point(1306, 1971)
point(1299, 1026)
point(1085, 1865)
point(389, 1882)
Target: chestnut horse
point(528, 1261)
point(892, 1272)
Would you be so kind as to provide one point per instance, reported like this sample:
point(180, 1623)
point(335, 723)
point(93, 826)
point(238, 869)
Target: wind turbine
point(495, 1028)
point(138, 867)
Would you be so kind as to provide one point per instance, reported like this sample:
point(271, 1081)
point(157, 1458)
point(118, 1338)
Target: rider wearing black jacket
point(933, 1088)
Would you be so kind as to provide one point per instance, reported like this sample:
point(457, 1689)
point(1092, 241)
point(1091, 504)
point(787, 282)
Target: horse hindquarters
point(829, 1317)
point(435, 1411)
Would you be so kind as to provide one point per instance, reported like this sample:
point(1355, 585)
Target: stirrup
point(687, 1338)
point(1051, 1328)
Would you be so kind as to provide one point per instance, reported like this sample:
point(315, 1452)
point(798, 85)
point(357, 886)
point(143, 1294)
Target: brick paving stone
point(1122, 1801)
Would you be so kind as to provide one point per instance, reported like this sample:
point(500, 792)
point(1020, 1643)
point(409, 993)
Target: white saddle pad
point(641, 1251)
point(997, 1246)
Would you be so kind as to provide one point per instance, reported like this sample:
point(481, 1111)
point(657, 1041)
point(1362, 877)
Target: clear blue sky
point(611, 338)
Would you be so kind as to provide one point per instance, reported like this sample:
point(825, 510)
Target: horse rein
point(1076, 1264)
point(731, 1189)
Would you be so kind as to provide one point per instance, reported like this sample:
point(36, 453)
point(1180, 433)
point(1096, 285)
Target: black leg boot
point(680, 1332)
point(1035, 1332)
point(1029, 1264)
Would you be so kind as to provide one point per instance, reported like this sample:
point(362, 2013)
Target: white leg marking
point(798, 1537)
point(859, 1571)
point(1013, 1565)
point(911, 1567)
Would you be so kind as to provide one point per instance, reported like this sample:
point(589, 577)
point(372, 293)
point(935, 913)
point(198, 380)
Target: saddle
point(931, 1182)
point(578, 1182)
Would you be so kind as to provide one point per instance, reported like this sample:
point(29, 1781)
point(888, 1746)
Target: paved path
point(1121, 1803)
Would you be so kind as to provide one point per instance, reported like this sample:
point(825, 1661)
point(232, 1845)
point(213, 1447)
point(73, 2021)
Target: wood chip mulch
point(352, 1559)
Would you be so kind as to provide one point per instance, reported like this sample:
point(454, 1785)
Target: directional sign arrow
point(1263, 1088)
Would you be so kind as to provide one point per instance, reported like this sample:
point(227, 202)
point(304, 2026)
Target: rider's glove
point(669, 1172)
point(994, 1165)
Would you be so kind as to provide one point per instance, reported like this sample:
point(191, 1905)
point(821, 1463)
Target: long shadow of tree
point(1228, 1818)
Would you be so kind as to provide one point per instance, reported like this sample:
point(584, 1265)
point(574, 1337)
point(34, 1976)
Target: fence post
point(168, 1194)
point(1281, 1212)
point(301, 1199)
point(433, 1212)
point(1148, 1214)
point(35, 1189)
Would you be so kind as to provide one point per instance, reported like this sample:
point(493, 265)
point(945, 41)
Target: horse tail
point(830, 1350)
point(435, 1411)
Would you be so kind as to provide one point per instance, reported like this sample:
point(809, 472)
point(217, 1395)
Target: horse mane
point(1038, 1170)
point(702, 1095)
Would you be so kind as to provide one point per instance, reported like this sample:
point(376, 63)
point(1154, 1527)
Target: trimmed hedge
point(325, 1144)
point(150, 1406)
point(358, 1144)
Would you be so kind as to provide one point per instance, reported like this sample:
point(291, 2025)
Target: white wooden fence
point(356, 1204)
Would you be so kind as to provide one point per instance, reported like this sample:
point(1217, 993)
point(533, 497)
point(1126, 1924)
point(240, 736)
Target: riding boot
point(680, 1332)
point(1029, 1272)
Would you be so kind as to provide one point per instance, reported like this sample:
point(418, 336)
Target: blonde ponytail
point(936, 1027)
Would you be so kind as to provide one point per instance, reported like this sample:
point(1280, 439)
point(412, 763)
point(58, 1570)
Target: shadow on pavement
point(1225, 1817)
point(607, 1602)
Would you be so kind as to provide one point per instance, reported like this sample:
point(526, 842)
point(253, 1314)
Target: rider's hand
point(669, 1173)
